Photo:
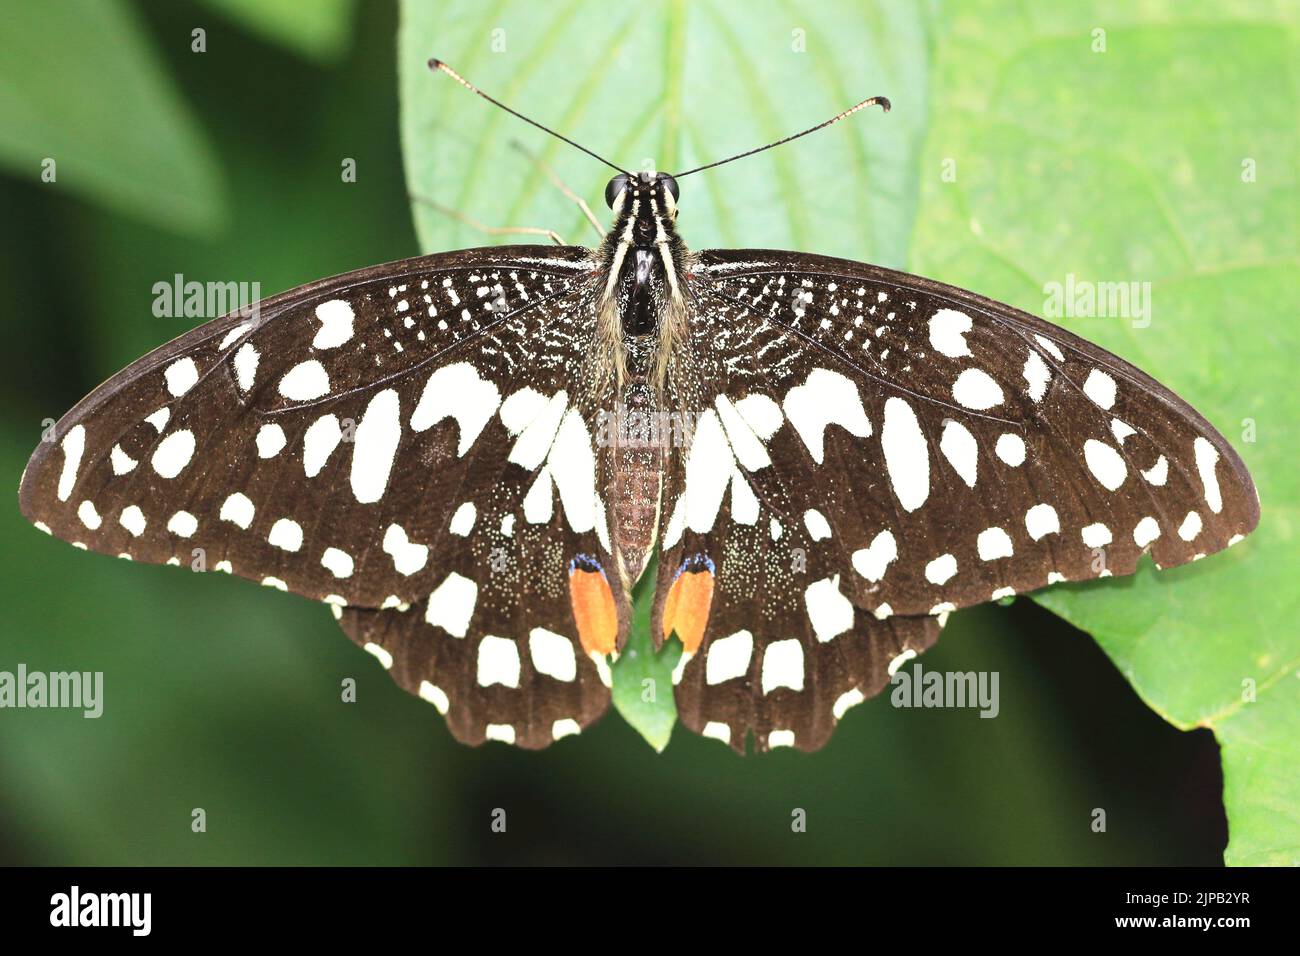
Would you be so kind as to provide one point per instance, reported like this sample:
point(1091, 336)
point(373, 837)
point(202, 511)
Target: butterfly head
point(645, 196)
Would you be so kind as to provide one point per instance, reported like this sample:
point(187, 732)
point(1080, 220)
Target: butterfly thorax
point(640, 317)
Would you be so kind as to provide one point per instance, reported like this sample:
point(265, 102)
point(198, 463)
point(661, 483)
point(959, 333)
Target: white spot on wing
point(286, 534)
point(783, 665)
point(780, 738)
point(819, 528)
point(304, 382)
point(535, 420)
point(573, 468)
point(1011, 449)
point(1100, 387)
point(746, 445)
point(993, 543)
point(1037, 375)
point(182, 524)
point(709, 465)
point(173, 453)
point(1207, 456)
point(498, 662)
point(872, 561)
point(121, 461)
point(318, 443)
point(336, 324)
point(565, 727)
point(462, 522)
point(336, 562)
point(451, 605)
point(1042, 520)
point(74, 446)
point(728, 657)
point(974, 388)
point(744, 503)
point(379, 654)
point(133, 520)
point(850, 698)
point(959, 447)
point(941, 569)
point(1147, 530)
point(552, 654)
point(238, 510)
point(457, 391)
point(1158, 473)
point(181, 376)
point(435, 695)
point(827, 398)
point(502, 733)
point(1105, 463)
point(1096, 535)
point(407, 556)
point(245, 361)
point(948, 328)
point(907, 456)
point(539, 505)
point(89, 516)
point(375, 446)
point(829, 611)
point(717, 730)
point(270, 441)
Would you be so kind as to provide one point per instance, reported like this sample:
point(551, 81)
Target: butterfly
point(473, 456)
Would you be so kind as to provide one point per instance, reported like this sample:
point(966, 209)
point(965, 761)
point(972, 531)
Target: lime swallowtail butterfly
point(473, 456)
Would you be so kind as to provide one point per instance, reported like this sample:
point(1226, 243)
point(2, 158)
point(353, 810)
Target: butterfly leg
point(559, 184)
point(490, 230)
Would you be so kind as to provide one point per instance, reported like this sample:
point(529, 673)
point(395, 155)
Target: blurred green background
point(226, 166)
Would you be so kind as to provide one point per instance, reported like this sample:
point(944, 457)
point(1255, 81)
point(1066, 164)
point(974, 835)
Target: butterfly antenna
point(436, 64)
point(880, 101)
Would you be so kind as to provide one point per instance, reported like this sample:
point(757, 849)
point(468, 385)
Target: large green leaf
point(1117, 165)
point(671, 85)
point(1127, 165)
point(81, 85)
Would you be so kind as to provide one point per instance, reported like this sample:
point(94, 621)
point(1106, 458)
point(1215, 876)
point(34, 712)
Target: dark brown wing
point(919, 449)
point(414, 434)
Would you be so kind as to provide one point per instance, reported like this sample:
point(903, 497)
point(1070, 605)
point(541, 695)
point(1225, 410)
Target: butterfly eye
point(670, 184)
point(614, 187)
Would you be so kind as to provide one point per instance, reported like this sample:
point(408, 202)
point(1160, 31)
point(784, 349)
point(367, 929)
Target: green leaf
point(673, 85)
point(320, 30)
point(80, 85)
point(1127, 165)
point(649, 708)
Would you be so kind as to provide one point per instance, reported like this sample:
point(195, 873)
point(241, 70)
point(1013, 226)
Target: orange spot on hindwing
point(686, 609)
point(593, 606)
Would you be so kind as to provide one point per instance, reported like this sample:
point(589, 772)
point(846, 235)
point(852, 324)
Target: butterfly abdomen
point(637, 457)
